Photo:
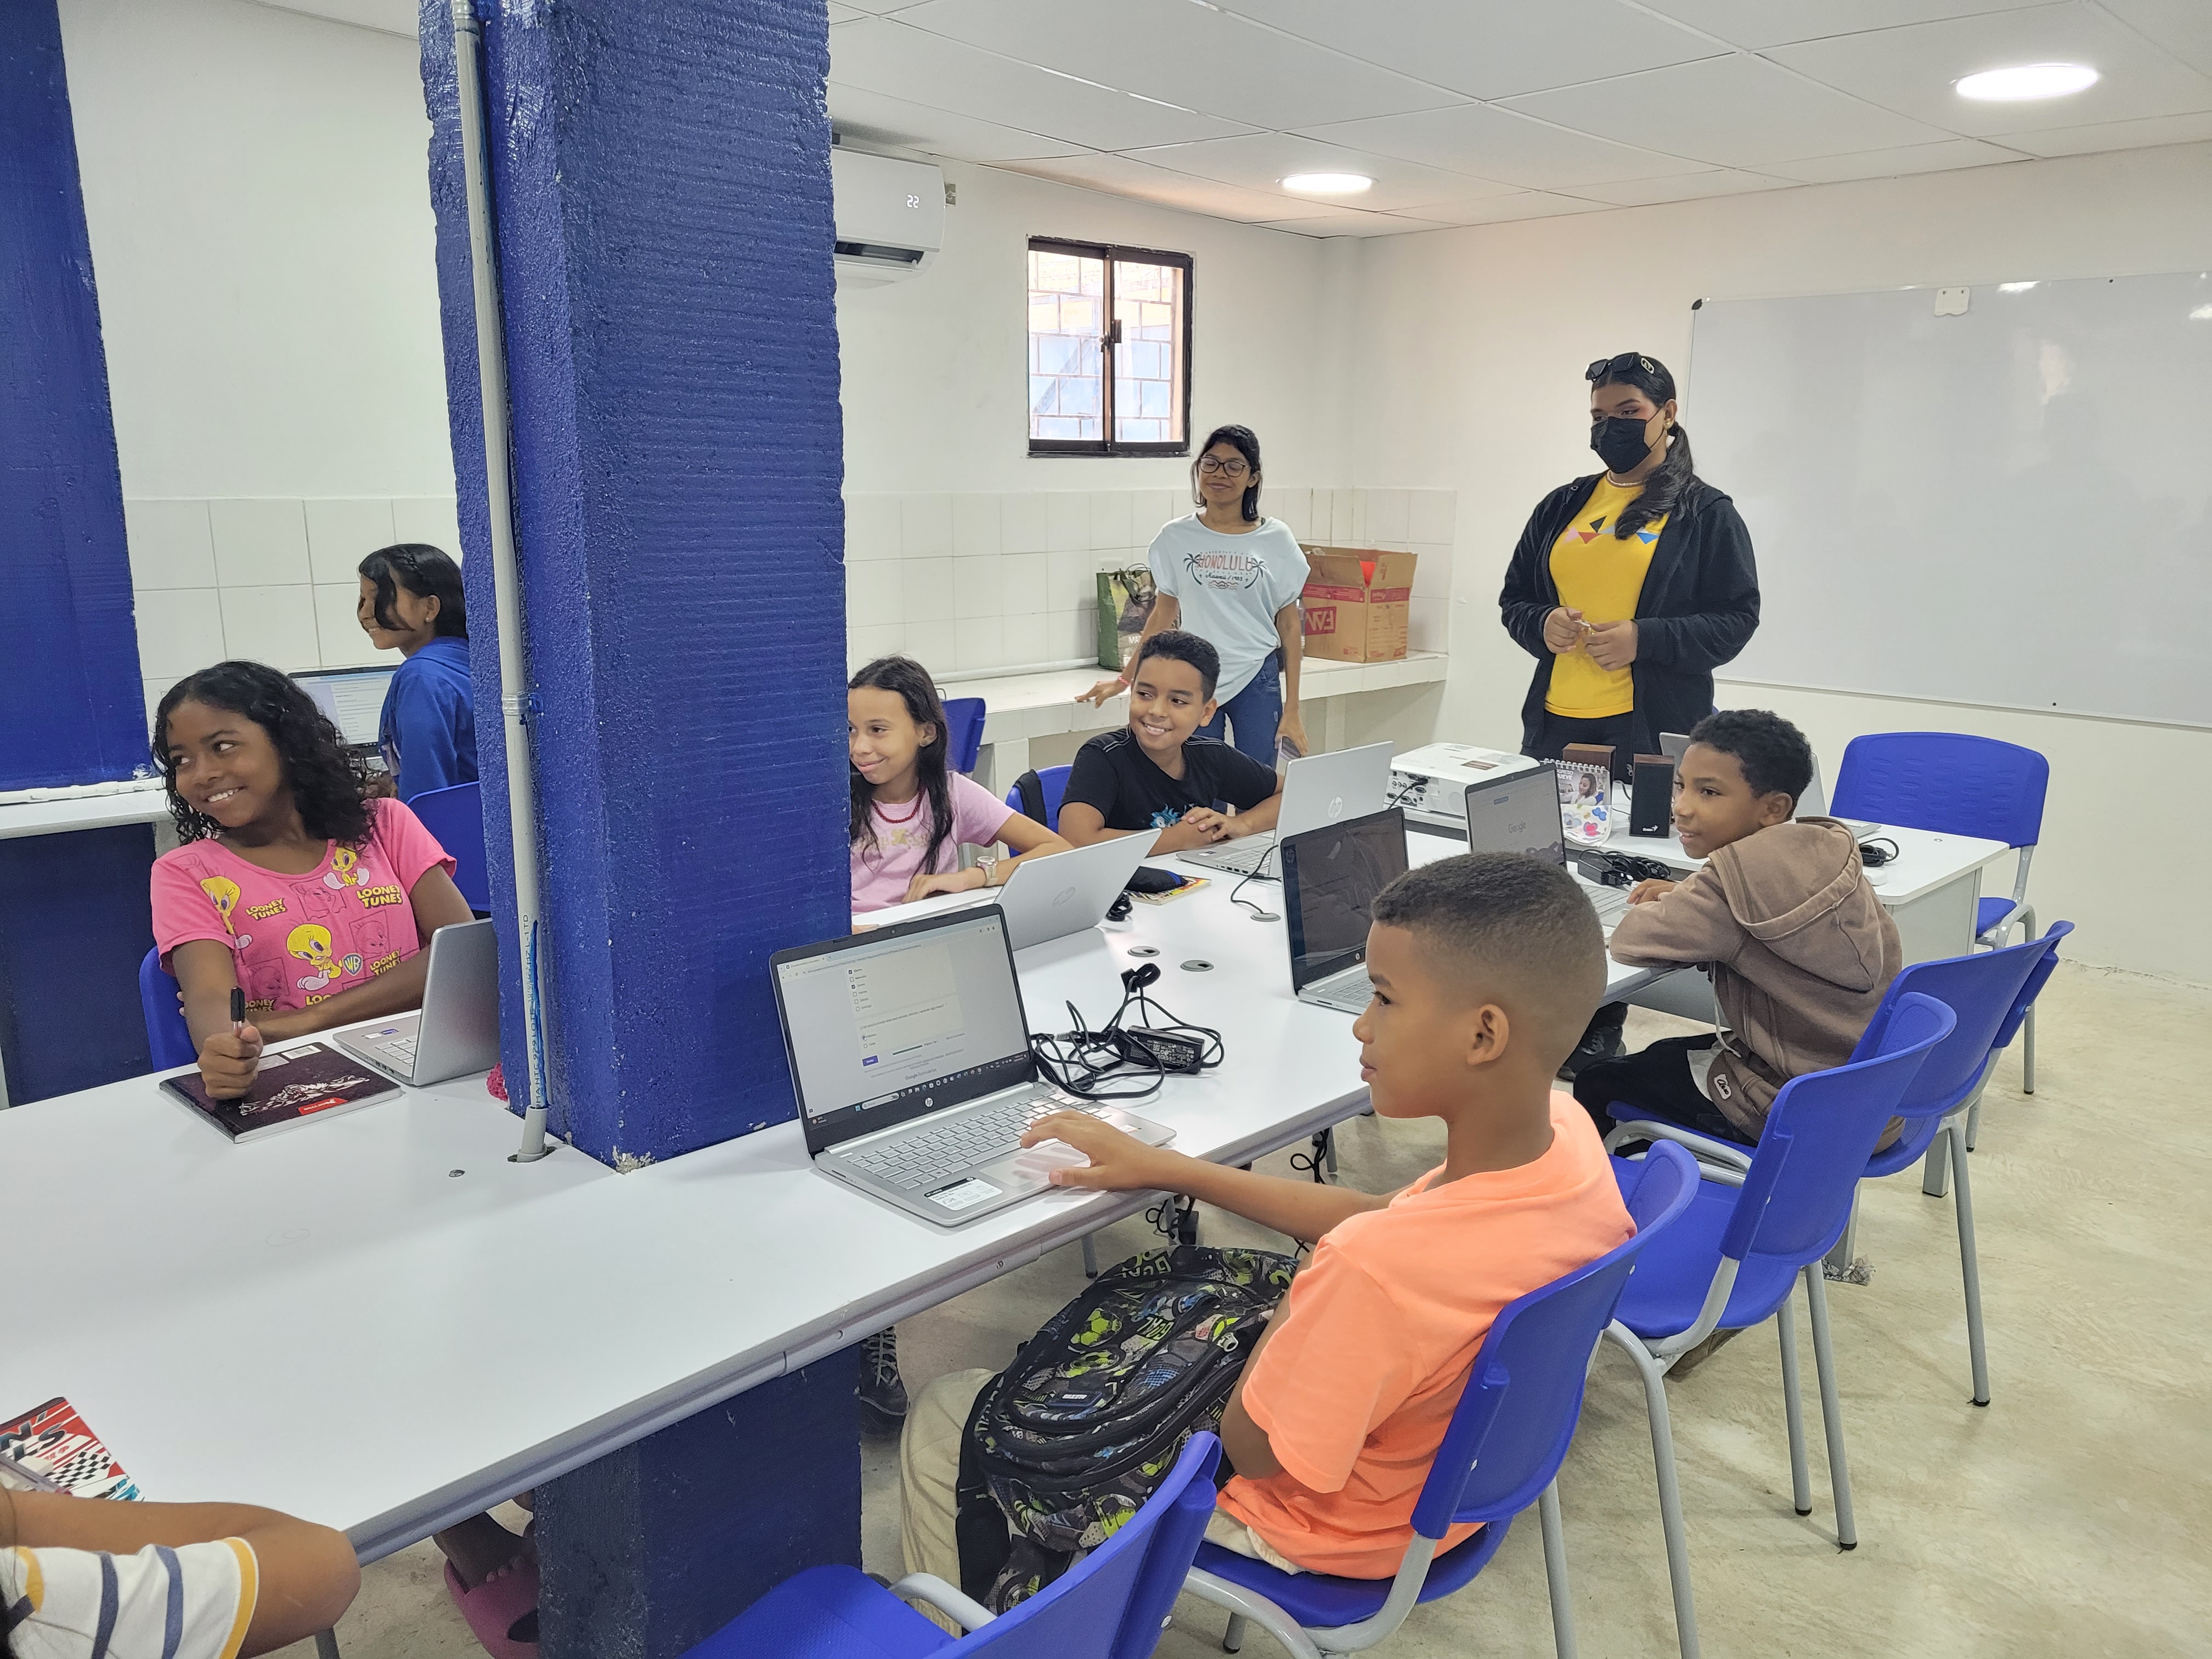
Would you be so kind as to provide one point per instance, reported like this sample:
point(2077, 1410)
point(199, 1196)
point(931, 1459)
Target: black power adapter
point(1181, 1056)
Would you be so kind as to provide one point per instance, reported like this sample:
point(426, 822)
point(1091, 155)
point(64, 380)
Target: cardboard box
point(1357, 604)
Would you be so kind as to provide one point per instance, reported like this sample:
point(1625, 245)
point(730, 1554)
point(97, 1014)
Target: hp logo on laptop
point(1335, 808)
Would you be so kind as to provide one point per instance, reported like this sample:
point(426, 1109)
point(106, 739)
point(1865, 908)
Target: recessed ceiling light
point(2026, 81)
point(2015, 288)
point(1328, 184)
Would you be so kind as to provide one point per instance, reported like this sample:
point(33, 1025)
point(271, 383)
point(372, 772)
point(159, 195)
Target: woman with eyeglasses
point(411, 603)
point(1630, 586)
point(1232, 578)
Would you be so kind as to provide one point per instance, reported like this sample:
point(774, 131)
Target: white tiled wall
point(269, 579)
point(964, 583)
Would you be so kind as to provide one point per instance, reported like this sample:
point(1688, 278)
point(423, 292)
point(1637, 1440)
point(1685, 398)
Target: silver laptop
point(458, 1030)
point(910, 1057)
point(1048, 898)
point(352, 699)
point(1317, 791)
point(1521, 814)
point(1330, 878)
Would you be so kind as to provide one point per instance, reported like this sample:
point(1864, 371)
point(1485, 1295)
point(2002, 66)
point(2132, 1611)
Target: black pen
point(238, 1011)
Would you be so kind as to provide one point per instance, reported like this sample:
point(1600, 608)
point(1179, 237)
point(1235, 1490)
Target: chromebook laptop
point(1048, 898)
point(1330, 878)
point(910, 1058)
point(1521, 814)
point(352, 699)
point(458, 1030)
point(1318, 790)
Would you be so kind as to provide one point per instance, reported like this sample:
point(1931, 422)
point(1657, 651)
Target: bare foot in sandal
point(480, 1548)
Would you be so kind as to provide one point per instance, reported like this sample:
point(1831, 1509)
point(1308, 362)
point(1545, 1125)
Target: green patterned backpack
point(1068, 1442)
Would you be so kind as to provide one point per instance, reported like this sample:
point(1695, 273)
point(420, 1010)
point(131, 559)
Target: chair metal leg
point(1232, 1638)
point(1970, 1267)
point(1831, 1407)
point(1793, 1407)
point(1329, 1135)
point(326, 1644)
point(1090, 1258)
point(1670, 1495)
point(1555, 1571)
point(2027, 1053)
point(1974, 1120)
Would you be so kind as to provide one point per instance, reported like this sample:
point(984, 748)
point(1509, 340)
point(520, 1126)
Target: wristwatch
point(989, 866)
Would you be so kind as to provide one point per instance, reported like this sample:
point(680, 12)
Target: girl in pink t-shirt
point(911, 814)
point(288, 884)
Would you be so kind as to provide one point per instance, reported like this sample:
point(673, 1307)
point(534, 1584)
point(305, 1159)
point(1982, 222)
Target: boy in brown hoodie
point(1800, 949)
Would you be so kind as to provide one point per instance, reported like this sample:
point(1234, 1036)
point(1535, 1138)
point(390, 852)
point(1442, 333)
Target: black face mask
point(1620, 442)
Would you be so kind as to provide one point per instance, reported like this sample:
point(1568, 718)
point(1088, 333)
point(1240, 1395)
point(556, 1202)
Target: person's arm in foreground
point(1166, 612)
point(1121, 1164)
point(307, 1574)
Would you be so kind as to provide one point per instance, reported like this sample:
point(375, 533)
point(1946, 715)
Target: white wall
point(1469, 346)
point(257, 191)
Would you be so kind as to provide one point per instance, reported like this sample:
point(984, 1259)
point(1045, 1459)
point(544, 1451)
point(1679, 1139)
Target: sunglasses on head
point(1622, 364)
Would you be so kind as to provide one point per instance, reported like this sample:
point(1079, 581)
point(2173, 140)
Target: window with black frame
point(1109, 350)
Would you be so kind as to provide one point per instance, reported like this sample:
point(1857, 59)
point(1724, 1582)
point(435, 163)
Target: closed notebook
point(294, 1084)
point(51, 1447)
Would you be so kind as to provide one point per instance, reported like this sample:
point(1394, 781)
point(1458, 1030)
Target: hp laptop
point(1317, 791)
point(352, 699)
point(910, 1056)
point(1330, 878)
point(1521, 814)
point(1047, 898)
point(458, 1030)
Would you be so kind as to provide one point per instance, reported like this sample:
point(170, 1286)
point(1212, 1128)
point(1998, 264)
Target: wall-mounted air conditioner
point(890, 217)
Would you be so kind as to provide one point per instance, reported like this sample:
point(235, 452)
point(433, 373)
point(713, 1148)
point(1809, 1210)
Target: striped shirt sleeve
point(192, 1601)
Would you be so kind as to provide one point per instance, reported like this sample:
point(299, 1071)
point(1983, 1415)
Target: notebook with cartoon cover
point(51, 1448)
point(293, 1084)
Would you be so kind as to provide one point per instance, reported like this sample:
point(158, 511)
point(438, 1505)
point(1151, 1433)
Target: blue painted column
point(73, 908)
point(664, 227)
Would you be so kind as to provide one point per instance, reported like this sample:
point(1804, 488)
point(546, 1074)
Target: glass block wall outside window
point(1067, 296)
point(1109, 350)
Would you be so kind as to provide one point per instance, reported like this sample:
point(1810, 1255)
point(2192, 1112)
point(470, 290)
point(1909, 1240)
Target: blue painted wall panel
point(70, 1014)
point(663, 184)
point(71, 708)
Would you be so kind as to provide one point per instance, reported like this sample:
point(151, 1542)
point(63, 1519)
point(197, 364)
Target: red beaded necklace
point(920, 799)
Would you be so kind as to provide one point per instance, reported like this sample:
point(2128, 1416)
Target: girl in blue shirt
point(411, 603)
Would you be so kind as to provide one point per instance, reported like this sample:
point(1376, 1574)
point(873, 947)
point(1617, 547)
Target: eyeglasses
point(1627, 360)
point(1231, 468)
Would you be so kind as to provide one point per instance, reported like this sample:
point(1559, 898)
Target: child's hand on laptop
point(1210, 825)
point(1118, 1163)
point(1644, 891)
point(947, 881)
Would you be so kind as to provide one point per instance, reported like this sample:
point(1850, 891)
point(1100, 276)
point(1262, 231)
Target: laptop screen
point(1519, 814)
point(1330, 878)
point(886, 1026)
point(353, 700)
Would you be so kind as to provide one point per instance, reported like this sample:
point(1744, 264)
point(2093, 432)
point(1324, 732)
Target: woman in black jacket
point(1629, 587)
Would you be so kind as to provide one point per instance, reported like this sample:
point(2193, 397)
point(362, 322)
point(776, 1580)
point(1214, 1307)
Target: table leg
point(653, 1548)
point(326, 1644)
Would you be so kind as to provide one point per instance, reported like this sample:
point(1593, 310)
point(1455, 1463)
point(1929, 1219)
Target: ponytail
point(1662, 490)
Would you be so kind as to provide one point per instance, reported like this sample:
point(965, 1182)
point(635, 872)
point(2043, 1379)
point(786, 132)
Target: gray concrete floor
point(2071, 1518)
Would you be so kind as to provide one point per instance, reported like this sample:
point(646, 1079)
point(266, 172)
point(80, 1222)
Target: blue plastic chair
point(1734, 1258)
point(455, 817)
point(1051, 786)
point(1988, 994)
point(168, 1039)
point(1501, 1452)
point(1957, 785)
point(963, 734)
point(1112, 1604)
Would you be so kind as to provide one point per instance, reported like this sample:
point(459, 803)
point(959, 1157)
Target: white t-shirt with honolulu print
point(1229, 588)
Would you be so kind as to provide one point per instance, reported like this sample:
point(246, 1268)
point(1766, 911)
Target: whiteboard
point(2009, 506)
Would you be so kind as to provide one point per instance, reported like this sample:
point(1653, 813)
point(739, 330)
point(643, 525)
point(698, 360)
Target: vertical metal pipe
point(517, 702)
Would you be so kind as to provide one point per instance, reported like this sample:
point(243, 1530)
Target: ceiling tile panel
point(2109, 135)
point(1489, 143)
point(1912, 70)
point(1772, 22)
point(1488, 48)
point(1500, 209)
point(884, 120)
point(1355, 224)
point(2183, 27)
point(1730, 112)
point(1690, 187)
point(1193, 55)
point(881, 55)
point(1893, 163)
point(1262, 161)
point(1167, 188)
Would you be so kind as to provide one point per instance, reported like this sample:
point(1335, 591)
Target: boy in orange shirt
point(1486, 968)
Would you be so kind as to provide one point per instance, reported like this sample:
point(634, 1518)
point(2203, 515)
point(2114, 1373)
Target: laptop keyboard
point(964, 1142)
point(401, 1049)
point(1232, 860)
point(1352, 990)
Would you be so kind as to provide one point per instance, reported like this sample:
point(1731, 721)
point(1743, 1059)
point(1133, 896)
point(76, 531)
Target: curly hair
point(1775, 757)
point(325, 779)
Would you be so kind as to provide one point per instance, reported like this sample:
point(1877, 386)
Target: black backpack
point(1068, 1442)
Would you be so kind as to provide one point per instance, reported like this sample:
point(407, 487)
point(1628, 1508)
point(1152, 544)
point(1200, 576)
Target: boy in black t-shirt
point(1153, 775)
